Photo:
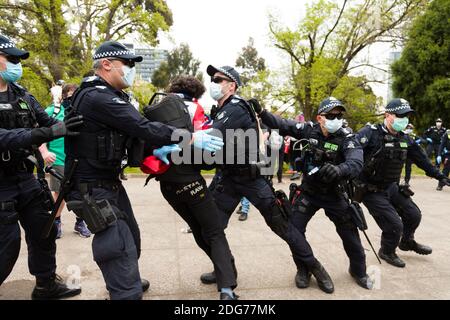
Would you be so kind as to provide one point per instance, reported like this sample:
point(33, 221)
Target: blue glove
point(207, 142)
point(162, 153)
point(439, 160)
point(418, 141)
point(429, 140)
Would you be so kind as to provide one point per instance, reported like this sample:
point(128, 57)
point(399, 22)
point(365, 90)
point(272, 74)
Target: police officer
point(332, 156)
point(97, 194)
point(239, 176)
point(444, 157)
point(433, 137)
point(386, 149)
point(185, 189)
point(24, 126)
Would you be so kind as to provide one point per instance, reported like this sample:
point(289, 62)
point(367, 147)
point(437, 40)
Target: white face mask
point(333, 126)
point(215, 90)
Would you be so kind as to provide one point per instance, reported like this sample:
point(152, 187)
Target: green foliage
point(143, 92)
point(61, 35)
point(180, 61)
point(421, 75)
point(323, 47)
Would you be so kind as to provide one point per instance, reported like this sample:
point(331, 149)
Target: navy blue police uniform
point(391, 205)
point(24, 125)
point(242, 179)
point(110, 122)
point(340, 149)
point(444, 152)
point(435, 134)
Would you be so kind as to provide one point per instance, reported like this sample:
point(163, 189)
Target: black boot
point(412, 245)
point(323, 278)
point(226, 296)
point(364, 282)
point(208, 278)
point(145, 285)
point(392, 258)
point(440, 187)
point(52, 288)
point(303, 278)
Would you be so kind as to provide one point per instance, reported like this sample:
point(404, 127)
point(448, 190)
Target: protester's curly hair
point(188, 85)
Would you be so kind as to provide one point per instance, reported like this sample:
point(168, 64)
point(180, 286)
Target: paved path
point(173, 263)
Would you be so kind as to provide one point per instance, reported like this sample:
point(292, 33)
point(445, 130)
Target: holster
point(358, 216)
point(98, 215)
point(281, 212)
point(359, 191)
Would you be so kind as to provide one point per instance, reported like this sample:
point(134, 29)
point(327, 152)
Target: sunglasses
point(332, 116)
point(128, 63)
point(220, 79)
point(12, 59)
point(402, 115)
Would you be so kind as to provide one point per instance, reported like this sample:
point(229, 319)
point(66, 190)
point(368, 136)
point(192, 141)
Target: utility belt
point(8, 213)
point(360, 189)
point(251, 171)
point(309, 188)
point(99, 215)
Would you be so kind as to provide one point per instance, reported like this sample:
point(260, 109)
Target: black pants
point(433, 149)
point(397, 216)
point(337, 210)
point(116, 250)
point(26, 192)
point(227, 192)
point(194, 203)
point(280, 163)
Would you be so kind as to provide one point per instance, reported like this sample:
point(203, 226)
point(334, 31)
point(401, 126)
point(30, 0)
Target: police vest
point(14, 115)
point(386, 164)
point(318, 152)
point(101, 146)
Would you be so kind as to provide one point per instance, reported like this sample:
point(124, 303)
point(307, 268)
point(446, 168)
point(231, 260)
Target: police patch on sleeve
point(119, 101)
point(351, 145)
point(300, 126)
point(364, 140)
point(221, 115)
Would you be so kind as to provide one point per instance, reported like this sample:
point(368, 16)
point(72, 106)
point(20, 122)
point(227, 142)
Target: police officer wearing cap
point(237, 180)
point(386, 149)
point(97, 194)
point(444, 157)
point(331, 156)
point(433, 137)
point(24, 126)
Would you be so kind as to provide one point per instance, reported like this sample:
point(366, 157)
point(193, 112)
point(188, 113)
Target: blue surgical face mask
point(215, 90)
point(333, 126)
point(12, 73)
point(128, 75)
point(400, 124)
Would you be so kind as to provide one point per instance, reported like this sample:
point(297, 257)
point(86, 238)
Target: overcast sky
point(217, 30)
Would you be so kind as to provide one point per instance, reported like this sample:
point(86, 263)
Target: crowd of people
point(100, 127)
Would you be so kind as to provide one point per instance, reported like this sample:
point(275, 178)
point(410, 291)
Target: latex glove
point(49, 157)
point(430, 140)
point(163, 152)
point(329, 173)
point(439, 160)
point(203, 140)
point(418, 141)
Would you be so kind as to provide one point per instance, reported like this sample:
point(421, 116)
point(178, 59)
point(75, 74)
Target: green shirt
point(57, 146)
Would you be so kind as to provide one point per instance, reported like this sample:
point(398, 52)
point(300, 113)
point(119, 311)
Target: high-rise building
point(152, 60)
point(393, 56)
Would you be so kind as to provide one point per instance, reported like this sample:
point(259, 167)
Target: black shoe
point(323, 278)
point(239, 211)
point(412, 245)
point(295, 176)
point(302, 278)
point(392, 259)
point(364, 282)
point(145, 285)
point(52, 288)
point(208, 278)
point(439, 188)
point(226, 296)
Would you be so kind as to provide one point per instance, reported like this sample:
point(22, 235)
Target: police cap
point(8, 47)
point(399, 107)
point(230, 72)
point(113, 49)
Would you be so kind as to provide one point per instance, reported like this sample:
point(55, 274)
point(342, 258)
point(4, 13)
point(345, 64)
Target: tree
point(61, 35)
point(324, 46)
point(254, 75)
point(422, 75)
point(180, 61)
